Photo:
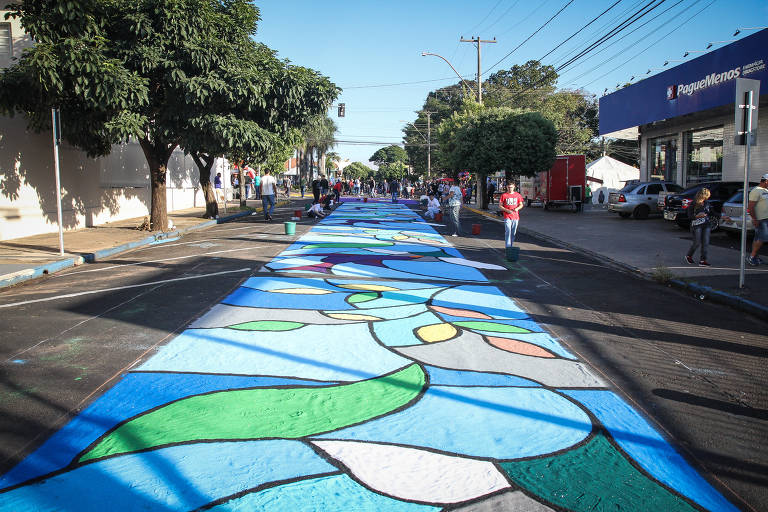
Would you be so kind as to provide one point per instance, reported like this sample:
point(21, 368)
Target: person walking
point(510, 203)
point(394, 188)
point(268, 190)
point(758, 210)
point(316, 189)
point(217, 186)
point(257, 184)
point(248, 183)
point(699, 213)
point(491, 191)
point(454, 209)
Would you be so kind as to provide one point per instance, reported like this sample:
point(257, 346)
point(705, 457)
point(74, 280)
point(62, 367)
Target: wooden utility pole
point(479, 43)
point(429, 143)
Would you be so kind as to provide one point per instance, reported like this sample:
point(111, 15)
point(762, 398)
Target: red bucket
point(439, 217)
point(365, 199)
point(297, 213)
point(476, 229)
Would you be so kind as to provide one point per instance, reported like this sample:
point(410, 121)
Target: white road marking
point(102, 290)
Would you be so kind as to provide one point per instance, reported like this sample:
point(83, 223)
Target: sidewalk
point(22, 259)
point(651, 249)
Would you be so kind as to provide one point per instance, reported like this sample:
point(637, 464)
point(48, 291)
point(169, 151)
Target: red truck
point(562, 185)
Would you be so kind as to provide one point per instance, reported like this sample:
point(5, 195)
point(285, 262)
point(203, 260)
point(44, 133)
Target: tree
point(167, 72)
point(499, 139)
point(332, 160)
point(388, 155)
point(357, 170)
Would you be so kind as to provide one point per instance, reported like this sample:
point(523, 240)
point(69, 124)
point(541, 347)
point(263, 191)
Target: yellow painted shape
point(369, 287)
point(436, 332)
point(400, 237)
point(348, 316)
point(302, 291)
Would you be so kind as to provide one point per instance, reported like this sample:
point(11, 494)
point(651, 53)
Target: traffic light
point(341, 109)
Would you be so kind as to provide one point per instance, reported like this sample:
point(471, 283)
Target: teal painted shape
point(336, 492)
point(486, 299)
point(399, 332)
point(401, 298)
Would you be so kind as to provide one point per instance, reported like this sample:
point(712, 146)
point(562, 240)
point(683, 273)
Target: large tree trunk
point(482, 192)
point(157, 155)
point(204, 164)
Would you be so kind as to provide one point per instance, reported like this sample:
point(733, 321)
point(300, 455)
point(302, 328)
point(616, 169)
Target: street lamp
point(424, 54)
point(693, 51)
point(668, 61)
point(653, 69)
point(716, 42)
point(738, 30)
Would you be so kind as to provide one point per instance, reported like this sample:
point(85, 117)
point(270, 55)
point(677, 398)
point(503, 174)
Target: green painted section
point(342, 245)
point(267, 325)
point(362, 297)
point(490, 326)
point(594, 476)
point(263, 413)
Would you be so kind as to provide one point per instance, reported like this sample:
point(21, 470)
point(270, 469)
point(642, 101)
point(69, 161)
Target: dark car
point(676, 205)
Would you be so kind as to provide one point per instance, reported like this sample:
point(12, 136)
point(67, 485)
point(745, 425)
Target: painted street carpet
point(339, 390)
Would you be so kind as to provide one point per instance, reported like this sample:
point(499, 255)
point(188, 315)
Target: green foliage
point(392, 170)
point(357, 170)
point(388, 155)
point(499, 139)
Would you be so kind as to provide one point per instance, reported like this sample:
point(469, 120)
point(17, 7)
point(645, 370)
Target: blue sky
point(363, 46)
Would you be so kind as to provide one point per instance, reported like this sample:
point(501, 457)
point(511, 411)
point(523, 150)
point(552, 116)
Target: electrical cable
point(632, 45)
point(582, 28)
point(529, 37)
point(486, 17)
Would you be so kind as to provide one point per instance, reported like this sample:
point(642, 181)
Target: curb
point(699, 290)
point(92, 257)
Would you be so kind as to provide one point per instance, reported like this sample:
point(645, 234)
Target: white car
point(731, 216)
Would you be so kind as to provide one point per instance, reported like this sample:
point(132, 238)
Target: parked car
point(676, 205)
point(730, 217)
point(639, 198)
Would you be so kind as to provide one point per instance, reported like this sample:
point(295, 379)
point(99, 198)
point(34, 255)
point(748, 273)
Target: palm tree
point(332, 159)
point(318, 136)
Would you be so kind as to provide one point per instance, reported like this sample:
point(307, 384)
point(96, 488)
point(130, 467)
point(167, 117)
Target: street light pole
point(429, 144)
point(424, 54)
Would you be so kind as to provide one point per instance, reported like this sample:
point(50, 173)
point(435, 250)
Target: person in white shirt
point(433, 207)
point(268, 188)
point(316, 211)
point(454, 207)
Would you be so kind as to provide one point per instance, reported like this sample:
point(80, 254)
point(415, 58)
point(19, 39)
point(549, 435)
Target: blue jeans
point(268, 200)
point(510, 230)
point(394, 196)
point(700, 239)
point(453, 217)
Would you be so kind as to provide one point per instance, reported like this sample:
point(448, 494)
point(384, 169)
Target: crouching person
point(433, 207)
point(316, 211)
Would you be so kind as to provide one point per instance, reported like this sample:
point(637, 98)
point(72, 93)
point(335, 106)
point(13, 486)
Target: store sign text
point(708, 81)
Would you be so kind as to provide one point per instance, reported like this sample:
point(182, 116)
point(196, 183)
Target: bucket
point(439, 217)
point(365, 199)
point(290, 228)
point(476, 229)
point(513, 253)
point(297, 213)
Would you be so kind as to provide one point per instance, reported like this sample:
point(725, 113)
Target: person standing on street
point(491, 191)
point(268, 190)
point(510, 203)
point(257, 185)
point(394, 188)
point(758, 210)
point(217, 186)
point(454, 208)
point(699, 213)
point(323, 184)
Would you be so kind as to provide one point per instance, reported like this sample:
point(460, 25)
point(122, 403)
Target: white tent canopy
point(606, 175)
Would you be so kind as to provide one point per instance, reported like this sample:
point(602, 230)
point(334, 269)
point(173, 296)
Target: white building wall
point(94, 191)
point(733, 156)
point(19, 39)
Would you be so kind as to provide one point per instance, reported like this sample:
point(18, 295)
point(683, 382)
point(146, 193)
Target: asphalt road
point(695, 368)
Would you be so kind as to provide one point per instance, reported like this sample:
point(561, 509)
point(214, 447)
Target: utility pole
point(479, 42)
point(429, 143)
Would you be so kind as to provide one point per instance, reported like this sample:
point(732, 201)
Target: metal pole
point(479, 76)
point(56, 140)
point(745, 194)
point(225, 180)
point(429, 145)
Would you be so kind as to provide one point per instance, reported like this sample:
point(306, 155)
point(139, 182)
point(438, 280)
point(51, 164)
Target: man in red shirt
point(510, 203)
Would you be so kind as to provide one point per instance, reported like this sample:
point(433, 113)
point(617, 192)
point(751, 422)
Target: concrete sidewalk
point(651, 249)
point(31, 257)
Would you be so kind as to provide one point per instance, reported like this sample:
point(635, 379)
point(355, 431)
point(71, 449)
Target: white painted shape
point(416, 475)
point(473, 264)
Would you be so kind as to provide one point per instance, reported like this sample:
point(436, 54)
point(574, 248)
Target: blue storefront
point(684, 117)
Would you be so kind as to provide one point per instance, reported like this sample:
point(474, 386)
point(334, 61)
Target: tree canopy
point(357, 170)
point(388, 155)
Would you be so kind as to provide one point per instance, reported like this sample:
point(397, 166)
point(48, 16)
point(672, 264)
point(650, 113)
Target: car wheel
point(641, 212)
point(624, 215)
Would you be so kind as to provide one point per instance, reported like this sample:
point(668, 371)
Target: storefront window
point(704, 155)
point(662, 159)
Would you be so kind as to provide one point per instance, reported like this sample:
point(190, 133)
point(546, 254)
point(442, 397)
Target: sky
point(372, 49)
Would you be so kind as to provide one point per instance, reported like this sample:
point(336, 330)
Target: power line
point(505, 13)
point(582, 28)
point(528, 38)
point(486, 17)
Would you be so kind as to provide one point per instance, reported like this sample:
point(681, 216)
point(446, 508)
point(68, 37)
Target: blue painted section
point(651, 451)
point(175, 478)
point(399, 332)
point(331, 493)
point(320, 352)
point(400, 297)
point(437, 270)
point(646, 101)
point(485, 299)
point(444, 377)
point(273, 283)
point(503, 423)
point(244, 296)
point(132, 395)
